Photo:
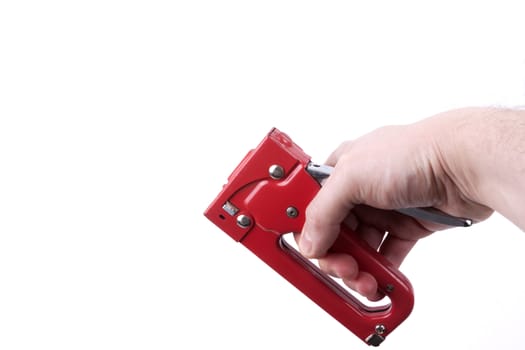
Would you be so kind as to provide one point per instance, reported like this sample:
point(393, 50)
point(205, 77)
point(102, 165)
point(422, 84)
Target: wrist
point(484, 155)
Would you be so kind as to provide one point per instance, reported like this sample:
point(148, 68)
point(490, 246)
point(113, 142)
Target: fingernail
point(305, 244)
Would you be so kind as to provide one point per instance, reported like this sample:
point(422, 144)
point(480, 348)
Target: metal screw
point(380, 329)
point(389, 288)
point(292, 212)
point(276, 172)
point(244, 221)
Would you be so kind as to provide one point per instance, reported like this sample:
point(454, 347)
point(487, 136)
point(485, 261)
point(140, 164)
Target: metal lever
point(321, 172)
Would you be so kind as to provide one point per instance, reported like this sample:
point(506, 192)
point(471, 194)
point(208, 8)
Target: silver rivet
point(276, 172)
point(244, 221)
point(292, 212)
point(389, 288)
point(380, 329)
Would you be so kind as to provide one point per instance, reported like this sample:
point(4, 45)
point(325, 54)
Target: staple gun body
point(266, 197)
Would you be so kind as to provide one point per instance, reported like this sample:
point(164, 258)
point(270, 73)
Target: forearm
point(488, 148)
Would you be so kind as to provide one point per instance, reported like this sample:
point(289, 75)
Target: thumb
point(325, 214)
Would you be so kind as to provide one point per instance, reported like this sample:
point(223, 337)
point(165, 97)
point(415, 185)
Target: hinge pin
point(276, 172)
point(380, 329)
point(244, 221)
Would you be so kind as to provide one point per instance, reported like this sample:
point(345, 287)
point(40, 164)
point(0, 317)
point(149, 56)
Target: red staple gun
point(266, 197)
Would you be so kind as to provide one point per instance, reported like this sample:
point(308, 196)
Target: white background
point(121, 120)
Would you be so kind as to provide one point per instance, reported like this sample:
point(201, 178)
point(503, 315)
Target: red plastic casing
point(265, 200)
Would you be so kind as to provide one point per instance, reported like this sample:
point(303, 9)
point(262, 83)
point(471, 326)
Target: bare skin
point(467, 162)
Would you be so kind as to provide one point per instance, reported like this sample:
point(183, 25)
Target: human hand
point(391, 168)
